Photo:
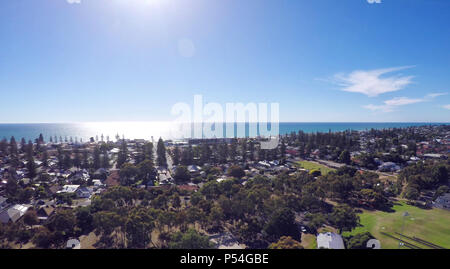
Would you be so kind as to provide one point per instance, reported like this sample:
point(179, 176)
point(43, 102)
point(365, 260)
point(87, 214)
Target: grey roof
point(73, 244)
point(13, 213)
point(444, 199)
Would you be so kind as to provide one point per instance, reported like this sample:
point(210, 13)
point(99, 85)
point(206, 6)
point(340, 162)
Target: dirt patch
point(88, 241)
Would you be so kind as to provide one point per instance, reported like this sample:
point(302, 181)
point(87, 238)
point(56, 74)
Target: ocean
point(167, 130)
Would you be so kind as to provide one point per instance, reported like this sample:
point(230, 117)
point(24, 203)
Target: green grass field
point(312, 165)
point(309, 241)
point(432, 225)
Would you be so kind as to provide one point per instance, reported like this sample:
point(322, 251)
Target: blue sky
point(132, 60)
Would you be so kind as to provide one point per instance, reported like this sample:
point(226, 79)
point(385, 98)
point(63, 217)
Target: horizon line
point(92, 122)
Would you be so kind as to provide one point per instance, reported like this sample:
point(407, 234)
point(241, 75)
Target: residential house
point(84, 192)
point(81, 175)
point(69, 189)
point(388, 167)
point(442, 201)
point(45, 212)
point(13, 213)
point(3, 202)
point(194, 170)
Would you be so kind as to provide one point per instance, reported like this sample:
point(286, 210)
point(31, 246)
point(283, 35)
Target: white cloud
point(74, 1)
point(374, 1)
point(390, 105)
point(447, 106)
point(371, 82)
point(383, 108)
point(434, 95)
point(401, 101)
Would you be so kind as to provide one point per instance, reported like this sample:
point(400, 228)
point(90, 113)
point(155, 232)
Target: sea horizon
point(165, 129)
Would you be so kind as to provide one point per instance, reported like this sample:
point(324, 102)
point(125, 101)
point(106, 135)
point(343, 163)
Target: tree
point(315, 173)
point(122, 156)
point(205, 154)
point(441, 190)
point(286, 242)
point(105, 160)
point(31, 167)
point(373, 198)
point(67, 160)
point(96, 162)
point(85, 219)
point(176, 156)
point(106, 221)
point(146, 170)
point(283, 150)
point(345, 157)
point(216, 217)
point(368, 161)
point(344, 218)
point(85, 160)
point(77, 159)
point(282, 223)
point(440, 174)
point(316, 221)
point(148, 151)
point(189, 240)
point(166, 218)
point(11, 187)
point(161, 153)
point(63, 221)
point(25, 195)
point(41, 138)
point(182, 174)
point(176, 201)
point(13, 146)
point(358, 241)
point(42, 238)
point(3, 146)
point(30, 218)
point(346, 170)
point(45, 158)
point(236, 171)
point(138, 228)
point(29, 149)
point(127, 174)
point(412, 192)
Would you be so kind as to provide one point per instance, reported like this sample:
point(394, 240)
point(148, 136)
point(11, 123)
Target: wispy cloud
point(434, 95)
point(74, 1)
point(374, 1)
point(371, 82)
point(392, 104)
point(401, 101)
point(446, 106)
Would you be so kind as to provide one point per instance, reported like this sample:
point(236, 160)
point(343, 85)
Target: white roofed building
point(330, 241)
